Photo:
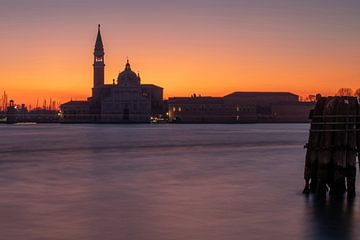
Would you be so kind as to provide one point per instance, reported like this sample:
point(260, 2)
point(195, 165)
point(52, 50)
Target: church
point(124, 100)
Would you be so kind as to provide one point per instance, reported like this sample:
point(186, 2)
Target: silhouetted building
point(11, 112)
point(20, 114)
point(239, 107)
point(155, 94)
point(125, 100)
point(199, 110)
point(75, 110)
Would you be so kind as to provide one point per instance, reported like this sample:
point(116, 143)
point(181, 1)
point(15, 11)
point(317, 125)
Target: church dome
point(128, 77)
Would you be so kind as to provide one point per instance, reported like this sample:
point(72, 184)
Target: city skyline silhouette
point(187, 47)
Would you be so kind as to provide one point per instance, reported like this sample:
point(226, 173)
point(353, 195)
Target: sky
point(205, 47)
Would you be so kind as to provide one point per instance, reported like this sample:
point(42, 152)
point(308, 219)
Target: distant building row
point(239, 107)
point(127, 100)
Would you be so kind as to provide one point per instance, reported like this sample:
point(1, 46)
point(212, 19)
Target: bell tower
point(99, 65)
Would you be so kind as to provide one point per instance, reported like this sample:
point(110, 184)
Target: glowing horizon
point(186, 47)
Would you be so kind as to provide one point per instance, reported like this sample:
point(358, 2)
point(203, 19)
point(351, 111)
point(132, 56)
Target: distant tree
point(318, 96)
point(357, 93)
point(312, 98)
point(345, 92)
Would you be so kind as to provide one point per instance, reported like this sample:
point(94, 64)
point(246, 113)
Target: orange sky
point(186, 47)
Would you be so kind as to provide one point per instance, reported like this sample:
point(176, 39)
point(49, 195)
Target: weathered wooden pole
point(351, 144)
point(344, 152)
point(324, 175)
point(311, 162)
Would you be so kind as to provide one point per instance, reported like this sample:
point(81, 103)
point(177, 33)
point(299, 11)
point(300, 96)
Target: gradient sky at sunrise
point(186, 46)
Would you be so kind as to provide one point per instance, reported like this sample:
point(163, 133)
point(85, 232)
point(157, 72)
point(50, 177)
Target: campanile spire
point(99, 65)
point(99, 44)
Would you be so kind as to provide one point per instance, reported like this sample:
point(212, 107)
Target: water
point(170, 182)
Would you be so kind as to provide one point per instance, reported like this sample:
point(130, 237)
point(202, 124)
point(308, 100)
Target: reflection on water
point(332, 218)
point(162, 182)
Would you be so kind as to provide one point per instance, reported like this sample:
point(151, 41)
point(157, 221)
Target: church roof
point(74, 103)
point(147, 85)
point(261, 94)
point(128, 77)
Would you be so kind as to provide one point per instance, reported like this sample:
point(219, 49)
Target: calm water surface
point(201, 182)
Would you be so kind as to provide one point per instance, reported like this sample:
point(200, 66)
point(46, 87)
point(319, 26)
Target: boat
point(25, 123)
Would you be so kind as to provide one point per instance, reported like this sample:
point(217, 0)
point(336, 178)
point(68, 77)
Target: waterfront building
point(20, 114)
point(75, 111)
point(239, 107)
point(124, 100)
point(197, 109)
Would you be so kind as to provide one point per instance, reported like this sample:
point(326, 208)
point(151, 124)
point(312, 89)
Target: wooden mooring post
point(333, 146)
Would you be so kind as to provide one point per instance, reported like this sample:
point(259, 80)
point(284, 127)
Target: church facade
point(124, 100)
